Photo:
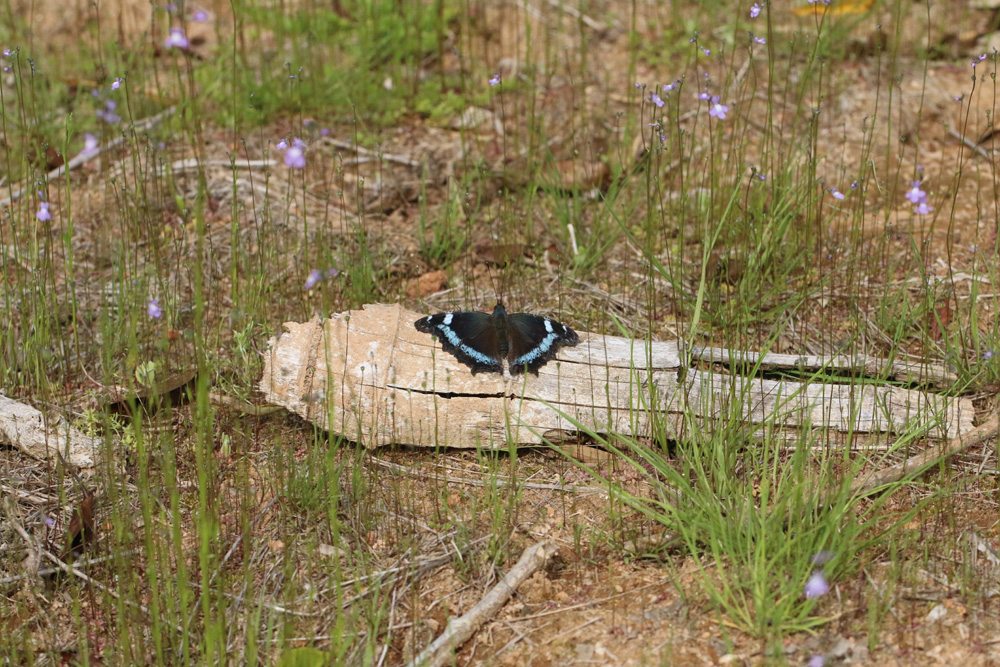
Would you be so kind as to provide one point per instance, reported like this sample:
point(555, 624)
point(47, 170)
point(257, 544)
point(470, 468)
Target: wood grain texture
point(370, 376)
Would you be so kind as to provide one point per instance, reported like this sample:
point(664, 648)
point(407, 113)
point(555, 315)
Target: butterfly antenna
point(496, 285)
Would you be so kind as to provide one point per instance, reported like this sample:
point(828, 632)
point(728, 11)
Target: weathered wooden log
point(46, 438)
point(370, 376)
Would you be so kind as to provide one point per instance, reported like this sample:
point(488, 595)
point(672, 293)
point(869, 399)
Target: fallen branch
point(29, 430)
point(459, 630)
point(370, 376)
point(83, 158)
point(927, 458)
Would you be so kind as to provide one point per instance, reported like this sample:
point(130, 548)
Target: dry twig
point(460, 629)
point(927, 458)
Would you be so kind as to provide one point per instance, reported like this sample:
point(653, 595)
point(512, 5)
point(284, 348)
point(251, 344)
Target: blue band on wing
point(466, 349)
point(538, 350)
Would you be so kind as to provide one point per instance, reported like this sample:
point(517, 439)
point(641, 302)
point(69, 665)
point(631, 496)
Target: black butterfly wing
point(534, 340)
point(467, 335)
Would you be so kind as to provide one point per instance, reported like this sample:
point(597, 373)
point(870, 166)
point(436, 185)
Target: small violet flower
point(656, 100)
point(200, 16)
point(704, 96)
point(816, 585)
point(754, 10)
point(116, 83)
point(314, 277)
point(495, 80)
point(281, 145)
point(915, 194)
point(295, 157)
point(760, 40)
point(817, 661)
point(837, 194)
point(823, 557)
point(988, 354)
point(176, 40)
point(978, 60)
point(718, 110)
point(89, 144)
point(107, 114)
point(43, 212)
point(923, 208)
point(671, 86)
point(153, 309)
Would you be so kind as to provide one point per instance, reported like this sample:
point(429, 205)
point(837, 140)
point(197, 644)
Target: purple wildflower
point(281, 145)
point(656, 100)
point(89, 144)
point(116, 83)
point(705, 51)
point(978, 60)
point(704, 96)
point(823, 557)
point(923, 208)
point(107, 114)
point(816, 585)
point(176, 40)
point(495, 80)
point(754, 10)
point(295, 157)
point(671, 86)
point(817, 661)
point(718, 110)
point(988, 354)
point(760, 40)
point(837, 194)
point(915, 194)
point(43, 212)
point(200, 16)
point(153, 309)
point(314, 277)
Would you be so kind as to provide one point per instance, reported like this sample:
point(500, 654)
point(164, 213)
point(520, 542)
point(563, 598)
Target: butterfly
point(498, 343)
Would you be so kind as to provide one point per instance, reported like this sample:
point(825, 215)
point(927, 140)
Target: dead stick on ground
point(82, 158)
point(69, 569)
point(927, 458)
point(460, 629)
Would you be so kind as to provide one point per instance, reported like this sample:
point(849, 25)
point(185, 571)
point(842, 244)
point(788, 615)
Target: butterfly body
point(498, 342)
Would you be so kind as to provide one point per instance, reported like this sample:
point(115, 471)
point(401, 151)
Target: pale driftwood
point(441, 651)
point(369, 376)
point(27, 429)
point(901, 371)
